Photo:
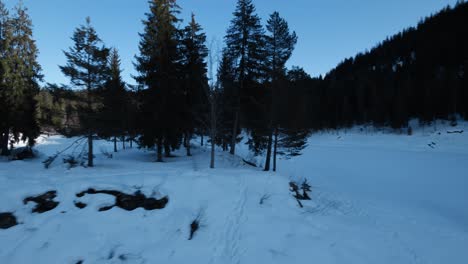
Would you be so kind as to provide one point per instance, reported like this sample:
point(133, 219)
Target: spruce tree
point(87, 69)
point(158, 66)
point(245, 49)
point(194, 52)
point(227, 91)
point(20, 77)
point(5, 38)
point(114, 95)
point(280, 44)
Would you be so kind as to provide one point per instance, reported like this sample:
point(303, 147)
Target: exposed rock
point(129, 202)
point(7, 220)
point(80, 205)
point(106, 208)
point(45, 202)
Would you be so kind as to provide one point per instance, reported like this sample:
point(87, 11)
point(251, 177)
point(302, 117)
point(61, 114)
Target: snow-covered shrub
point(302, 192)
point(306, 188)
point(73, 161)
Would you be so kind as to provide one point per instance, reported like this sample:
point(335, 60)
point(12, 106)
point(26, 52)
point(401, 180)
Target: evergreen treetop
point(159, 43)
point(87, 65)
point(245, 41)
point(280, 43)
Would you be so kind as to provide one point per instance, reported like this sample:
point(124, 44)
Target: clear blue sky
point(328, 30)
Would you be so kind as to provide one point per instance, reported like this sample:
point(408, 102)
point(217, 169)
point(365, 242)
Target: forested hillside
point(419, 72)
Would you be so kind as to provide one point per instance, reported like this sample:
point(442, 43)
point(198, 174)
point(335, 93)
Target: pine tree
point(280, 44)
point(158, 66)
point(114, 113)
point(194, 52)
point(20, 76)
point(88, 69)
point(245, 49)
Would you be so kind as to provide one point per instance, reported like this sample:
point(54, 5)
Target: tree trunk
point(90, 151)
point(131, 142)
point(187, 143)
point(234, 133)
point(123, 142)
point(115, 144)
point(268, 156)
point(212, 159)
point(213, 132)
point(167, 150)
point(273, 120)
point(275, 151)
point(4, 143)
point(201, 140)
point(225, 147)
point(159, 150)
point(1, 142)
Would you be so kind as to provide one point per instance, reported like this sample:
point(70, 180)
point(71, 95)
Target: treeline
point(244, 90)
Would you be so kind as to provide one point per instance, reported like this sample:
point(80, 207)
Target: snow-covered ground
point(377, 198)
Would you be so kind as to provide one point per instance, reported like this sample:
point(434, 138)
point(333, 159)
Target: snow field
point(377, 198)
